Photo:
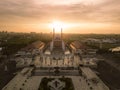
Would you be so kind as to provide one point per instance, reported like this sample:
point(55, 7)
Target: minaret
point(63, 45)
point(61, 34)
point(52, 43)
point(53, 33)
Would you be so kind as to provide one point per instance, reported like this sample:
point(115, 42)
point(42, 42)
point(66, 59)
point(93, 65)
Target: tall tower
point(53, 33)
point(57, 42)
point(61, 34)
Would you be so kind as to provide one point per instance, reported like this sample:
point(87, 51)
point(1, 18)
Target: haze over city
point(78, 16)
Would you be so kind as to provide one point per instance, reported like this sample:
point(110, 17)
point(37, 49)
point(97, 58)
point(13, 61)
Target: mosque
point(57, 45)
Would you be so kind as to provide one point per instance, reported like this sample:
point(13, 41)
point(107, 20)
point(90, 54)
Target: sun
point(57, 25)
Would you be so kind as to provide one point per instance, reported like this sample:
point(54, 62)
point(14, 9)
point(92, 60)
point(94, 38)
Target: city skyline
point(80, 16)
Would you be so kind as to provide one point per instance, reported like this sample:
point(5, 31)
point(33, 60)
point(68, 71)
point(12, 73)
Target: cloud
point(68, 10)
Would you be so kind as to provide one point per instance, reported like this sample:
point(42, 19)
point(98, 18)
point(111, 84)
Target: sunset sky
point(79, 16)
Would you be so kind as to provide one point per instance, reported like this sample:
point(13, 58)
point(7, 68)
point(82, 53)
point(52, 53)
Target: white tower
point(57, 42)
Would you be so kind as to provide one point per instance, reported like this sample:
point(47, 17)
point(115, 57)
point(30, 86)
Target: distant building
point(104, 40)
point(77, 47)
point(91, 51)
point(116, 49)
point(92, 40)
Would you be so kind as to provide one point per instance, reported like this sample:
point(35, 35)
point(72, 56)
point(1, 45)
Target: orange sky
point(81, 16)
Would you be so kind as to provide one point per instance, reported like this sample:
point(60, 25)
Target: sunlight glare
point(57, 26)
